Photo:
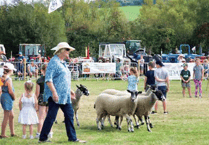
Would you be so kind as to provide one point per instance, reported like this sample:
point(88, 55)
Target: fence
point(27, 71)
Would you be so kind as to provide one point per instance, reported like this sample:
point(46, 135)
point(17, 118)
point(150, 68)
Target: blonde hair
point(29, 86)
point(44, 66)
point(59, 51)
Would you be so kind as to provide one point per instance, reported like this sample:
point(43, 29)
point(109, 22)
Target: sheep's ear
point(139, 92)
point(129, 91)
point(77, 86)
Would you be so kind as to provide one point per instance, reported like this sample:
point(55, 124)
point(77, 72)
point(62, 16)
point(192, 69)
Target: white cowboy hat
point(9, 66)
point(181, 55)
point(62, 45)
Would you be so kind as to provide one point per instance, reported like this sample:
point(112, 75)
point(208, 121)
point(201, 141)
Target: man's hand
point(55, 97)
point(168, 89)
point(72, 95)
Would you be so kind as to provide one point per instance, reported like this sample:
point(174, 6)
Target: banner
point(174, 70)
point(93, 68)
point(54, 4)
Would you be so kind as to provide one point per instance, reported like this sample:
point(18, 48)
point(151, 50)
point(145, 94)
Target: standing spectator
point(7, 99)
point(28, 105)
point(206, 68)
point(141, 61)
point(133, 80)
point(118, 68)
point(42, 105)
point(20, 56)
point(58, 93)
point(198, 77)
point(185, 80)
point(20, 69)
point(149, 76)
point(33, 69)
point(162, 82)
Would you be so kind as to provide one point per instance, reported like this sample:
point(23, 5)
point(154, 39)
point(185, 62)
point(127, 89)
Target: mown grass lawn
point(186, 123)
point(131, 12)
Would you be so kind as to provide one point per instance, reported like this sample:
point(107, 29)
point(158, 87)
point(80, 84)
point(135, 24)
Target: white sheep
point(144, 106)
point(121, 93)
point(107, 104)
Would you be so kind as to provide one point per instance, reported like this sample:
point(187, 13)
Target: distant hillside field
point(131, 12)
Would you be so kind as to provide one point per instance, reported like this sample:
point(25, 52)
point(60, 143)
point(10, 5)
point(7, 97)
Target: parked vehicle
point(183, 49)
point(32, 50)
point(112, 51)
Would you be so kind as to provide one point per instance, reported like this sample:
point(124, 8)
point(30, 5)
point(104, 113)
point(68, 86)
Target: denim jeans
point(51, 116)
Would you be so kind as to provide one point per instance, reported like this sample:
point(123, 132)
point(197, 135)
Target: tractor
point(31, 51)
point(183, 49)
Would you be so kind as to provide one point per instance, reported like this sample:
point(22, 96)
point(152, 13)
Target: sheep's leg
point(121, 120)
point(102, 122)
point(109, 120)
point(140, 118)
point(129, 123)
point(116, 121)
point(76, 117)
point(137, 122)
point(99, 119)
point(150, 124)
point(146, 120)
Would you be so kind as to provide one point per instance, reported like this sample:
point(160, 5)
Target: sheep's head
point(134, 95)
point(159, 95)
point(83, 89)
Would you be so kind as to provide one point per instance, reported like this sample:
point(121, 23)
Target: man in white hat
point(58, 93)
point(181, 58)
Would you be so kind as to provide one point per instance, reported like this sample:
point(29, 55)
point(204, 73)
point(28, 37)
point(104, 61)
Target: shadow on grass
point(106, 129)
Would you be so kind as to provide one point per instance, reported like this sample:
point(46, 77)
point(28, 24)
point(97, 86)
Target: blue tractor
point(185, 50)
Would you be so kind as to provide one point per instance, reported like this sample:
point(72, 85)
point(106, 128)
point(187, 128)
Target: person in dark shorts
point(149, 76)
point(185, 80)
point(42, 104)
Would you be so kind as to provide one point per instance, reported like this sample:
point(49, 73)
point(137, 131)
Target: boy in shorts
point(185, 80)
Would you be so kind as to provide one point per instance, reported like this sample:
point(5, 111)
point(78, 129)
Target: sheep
point(116, 106)
point(144, 106)
point(75, 102)
point(121, 93)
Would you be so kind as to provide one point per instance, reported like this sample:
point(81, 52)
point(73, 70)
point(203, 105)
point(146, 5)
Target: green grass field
point(131, 12)
point(186, 123)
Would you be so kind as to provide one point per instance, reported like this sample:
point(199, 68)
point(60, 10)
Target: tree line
point(160, 26)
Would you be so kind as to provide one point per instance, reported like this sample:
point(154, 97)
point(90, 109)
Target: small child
point(185, 80)
point(198, 77)
point(133, 80)
point(149, 76)
point(28, 105)
point(7, 100)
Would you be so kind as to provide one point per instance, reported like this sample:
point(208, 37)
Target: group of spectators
point(53, 91)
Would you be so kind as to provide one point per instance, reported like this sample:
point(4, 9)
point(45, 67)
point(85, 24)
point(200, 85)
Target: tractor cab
point(112, 51)
point(32, 50)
